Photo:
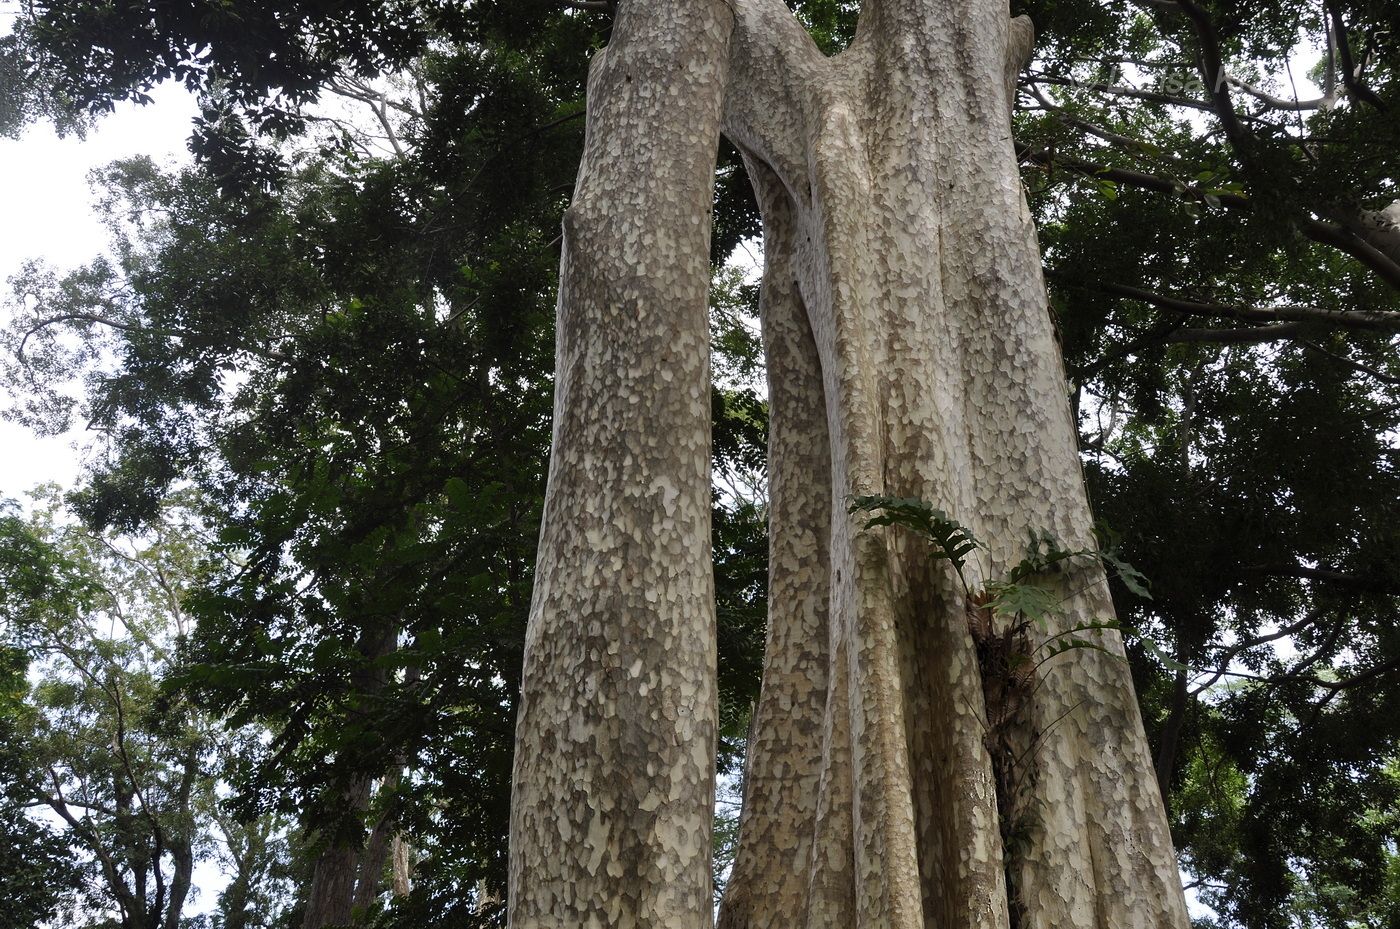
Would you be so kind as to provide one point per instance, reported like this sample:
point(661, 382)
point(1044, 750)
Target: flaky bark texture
point(904, 300)
point(613, 799)
point(910, 353)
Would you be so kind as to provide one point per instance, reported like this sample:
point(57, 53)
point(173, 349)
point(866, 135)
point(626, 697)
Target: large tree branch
point(1356, 680)
point(42, 324)
point(110, 687)
point(1217, 80)
point(1282, 103)
point(780, 62)
point(1378, 228)
point(1329, 575)
point(112, 322)
point(1127, 143)
point(1351, 72)
point(1349, 362)
point(1345, 240)
point(1239, 648)
point(1248, 336)
point(1201, 20)
point(1348, 319)
point(1326, 233)
point(1115, 90)
point(1336, 686)
point(131, 907)
point(378, 103)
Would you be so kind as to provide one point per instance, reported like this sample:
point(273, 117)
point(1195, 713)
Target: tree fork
point(889, 174)
point(911, 354)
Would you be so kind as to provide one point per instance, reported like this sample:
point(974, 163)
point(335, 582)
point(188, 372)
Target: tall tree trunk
point(894, 212)
point(612, 809)
point(911, 354)
point(331, 897)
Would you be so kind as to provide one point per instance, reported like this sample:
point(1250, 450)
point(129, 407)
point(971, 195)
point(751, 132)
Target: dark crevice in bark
point(1007, 670)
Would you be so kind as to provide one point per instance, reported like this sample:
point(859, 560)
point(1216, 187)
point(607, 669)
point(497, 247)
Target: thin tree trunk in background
point(1165, 763)
point(402, 865)
point(182, 843)
point(375, 856)
point(612, 806)
point(331, 898)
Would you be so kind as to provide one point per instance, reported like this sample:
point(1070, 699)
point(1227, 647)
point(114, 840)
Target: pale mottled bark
point(894, 185)
point(614, 769)
point(789, 735)
point(910, 353)
point(1380, 229)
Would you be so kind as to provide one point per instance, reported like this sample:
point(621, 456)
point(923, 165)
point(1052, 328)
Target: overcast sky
point(46, 213)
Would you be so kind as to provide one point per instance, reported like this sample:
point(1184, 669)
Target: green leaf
point(949, 539)
point(1059, 648)
point(459, 495)
point(1030, 601)
point(1156, 651)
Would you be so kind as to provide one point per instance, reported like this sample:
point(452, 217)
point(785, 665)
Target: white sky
point(46, 213)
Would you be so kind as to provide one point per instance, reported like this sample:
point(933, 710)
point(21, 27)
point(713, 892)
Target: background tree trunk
point(331, 895)
point(612, 809)
point(346, 873)
point(401, 867)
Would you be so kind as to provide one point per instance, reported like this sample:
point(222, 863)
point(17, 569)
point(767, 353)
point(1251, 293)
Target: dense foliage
point(331, 340)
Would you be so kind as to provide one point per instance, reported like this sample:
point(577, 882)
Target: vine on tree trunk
point(1001, 616)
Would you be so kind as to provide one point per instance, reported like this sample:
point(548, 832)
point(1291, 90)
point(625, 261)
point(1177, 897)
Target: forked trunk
point(903, 297)
point(910, 354)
